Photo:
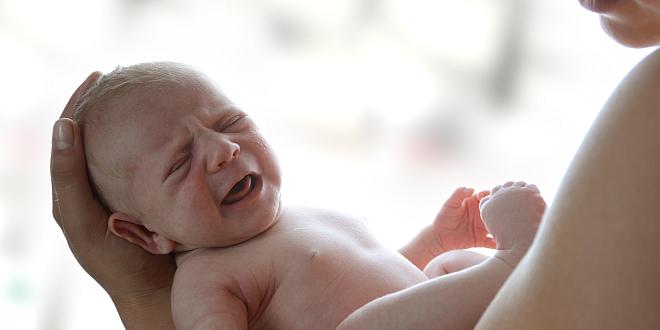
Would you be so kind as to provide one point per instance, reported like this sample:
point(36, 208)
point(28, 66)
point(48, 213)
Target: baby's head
point(175, 162)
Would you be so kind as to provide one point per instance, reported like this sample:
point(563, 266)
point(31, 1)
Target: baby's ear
point(130, 229)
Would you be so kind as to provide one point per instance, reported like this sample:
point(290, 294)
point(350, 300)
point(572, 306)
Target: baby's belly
point(332, 283)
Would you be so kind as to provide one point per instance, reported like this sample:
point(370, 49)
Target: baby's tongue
point(240, 190)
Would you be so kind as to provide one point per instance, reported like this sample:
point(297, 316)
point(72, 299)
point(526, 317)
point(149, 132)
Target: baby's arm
point(453, 261)
point(200, 303)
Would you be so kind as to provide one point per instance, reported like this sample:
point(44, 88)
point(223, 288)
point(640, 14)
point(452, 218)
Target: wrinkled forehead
point(160, 113)
point(146, 119)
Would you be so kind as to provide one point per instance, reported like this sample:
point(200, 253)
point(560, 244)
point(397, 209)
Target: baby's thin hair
point(124, 79)
point(113, 86)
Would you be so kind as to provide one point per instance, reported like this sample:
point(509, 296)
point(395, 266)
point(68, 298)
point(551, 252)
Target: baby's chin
point(238, 238)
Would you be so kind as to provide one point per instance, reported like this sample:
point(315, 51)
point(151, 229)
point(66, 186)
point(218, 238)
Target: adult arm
point(594, 263)
point(138, 283)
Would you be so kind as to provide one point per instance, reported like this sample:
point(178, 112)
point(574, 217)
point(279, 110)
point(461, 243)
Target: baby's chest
point(317, 275)
point(320, 284)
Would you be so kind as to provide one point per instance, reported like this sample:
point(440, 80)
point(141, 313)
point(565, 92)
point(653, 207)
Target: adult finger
point(67, 112)
point(71, 105)
point(74, 206)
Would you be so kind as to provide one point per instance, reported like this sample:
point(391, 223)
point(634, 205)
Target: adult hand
point(138, 282)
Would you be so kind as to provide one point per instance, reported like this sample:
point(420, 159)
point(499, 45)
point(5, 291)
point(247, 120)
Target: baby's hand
point(458, 225)
point(512, 214)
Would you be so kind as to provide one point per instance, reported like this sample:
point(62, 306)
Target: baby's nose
point(220, 152)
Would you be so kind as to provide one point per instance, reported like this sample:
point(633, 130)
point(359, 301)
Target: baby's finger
point(483, 194)
point(520, 184)
point(508, 184)
point(533, 187)
point(490, 243)
point(457, 197)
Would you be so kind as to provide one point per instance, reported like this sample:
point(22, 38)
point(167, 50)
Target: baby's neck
point(181, 256)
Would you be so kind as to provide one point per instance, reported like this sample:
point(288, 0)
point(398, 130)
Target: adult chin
point(632, 23)
point(632, 35)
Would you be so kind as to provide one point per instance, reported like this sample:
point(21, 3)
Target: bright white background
point(375, 107)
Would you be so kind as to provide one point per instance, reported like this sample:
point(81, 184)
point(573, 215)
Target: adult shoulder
point(639, 91)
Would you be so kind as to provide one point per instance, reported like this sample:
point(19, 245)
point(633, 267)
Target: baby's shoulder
point(200, 279)
point(201, 268)
point(214, 270)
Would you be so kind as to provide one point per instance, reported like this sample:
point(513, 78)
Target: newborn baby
point(184, 170)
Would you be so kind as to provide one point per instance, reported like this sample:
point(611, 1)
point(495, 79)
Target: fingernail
point(62, 134)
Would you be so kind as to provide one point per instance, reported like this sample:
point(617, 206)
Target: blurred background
point(376, 107)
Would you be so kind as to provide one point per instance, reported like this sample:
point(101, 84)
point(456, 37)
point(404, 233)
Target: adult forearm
point(454, 301)
point(146, 311)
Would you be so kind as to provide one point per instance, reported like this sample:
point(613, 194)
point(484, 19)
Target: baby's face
point(201, 173)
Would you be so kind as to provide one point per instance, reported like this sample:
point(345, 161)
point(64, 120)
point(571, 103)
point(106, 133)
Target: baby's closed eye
point(234, 124)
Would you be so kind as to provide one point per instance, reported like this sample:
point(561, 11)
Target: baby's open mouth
point(239, 190)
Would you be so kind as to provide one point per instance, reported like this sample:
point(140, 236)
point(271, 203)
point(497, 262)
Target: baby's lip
point(240, 189)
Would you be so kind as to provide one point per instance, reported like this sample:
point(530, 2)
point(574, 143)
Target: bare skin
point(611, 183)
point(249, 261)
point(519, 199)
point(452, 262)
point(456, 301)
point(141, 299)
point(309, 271)
point(594, 264)
point(313, 268)
point(634, 23)
point(139, 288)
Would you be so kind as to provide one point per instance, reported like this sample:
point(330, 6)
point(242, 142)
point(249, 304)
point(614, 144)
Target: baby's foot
point(512, 214)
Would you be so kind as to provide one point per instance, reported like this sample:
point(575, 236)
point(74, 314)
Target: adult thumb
point(67, 168)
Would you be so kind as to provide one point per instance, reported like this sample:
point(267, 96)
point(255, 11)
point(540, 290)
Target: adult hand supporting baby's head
point(138, 282)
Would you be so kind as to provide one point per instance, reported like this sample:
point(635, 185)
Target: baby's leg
point(453, 261)
point(453, 301)
point(595, 263)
